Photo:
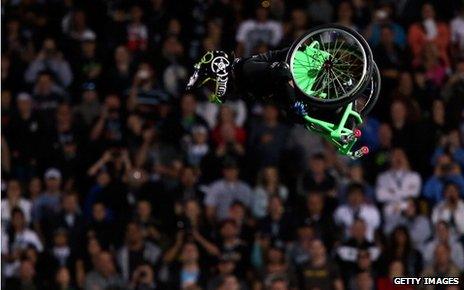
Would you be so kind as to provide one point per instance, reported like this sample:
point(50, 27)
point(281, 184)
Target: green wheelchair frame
point(312, 60)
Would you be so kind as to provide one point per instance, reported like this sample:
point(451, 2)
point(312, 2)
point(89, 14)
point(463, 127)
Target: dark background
point(114, 178)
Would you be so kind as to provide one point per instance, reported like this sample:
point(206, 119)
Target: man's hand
point(299, 108)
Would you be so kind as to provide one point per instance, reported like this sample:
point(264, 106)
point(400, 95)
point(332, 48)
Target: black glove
point(299, 108)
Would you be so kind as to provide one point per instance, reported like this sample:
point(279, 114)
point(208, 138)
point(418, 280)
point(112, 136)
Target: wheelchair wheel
point(330, 65)
point(368, 98)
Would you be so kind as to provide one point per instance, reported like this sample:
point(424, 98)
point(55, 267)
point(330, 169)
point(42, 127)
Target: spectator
point(26, 277)
point(318, 217)
point(70, 219)
point(345, 15)
point(317, 177)
point(398, 183)
point(320, 11)
point(89, 66)
point(59, 255)
point(364, 281)
point(260, 30)
point(50, 59)
point(451, 144)
point(278, 283)
point(357, 208)
point(277, 225)
point(391, 64)
point(104, 274)
point(225, 267)
point(229, 243)
point(348, 251)
point(443, 236)
point(137, 32)
point(144, 278)
point(445, 171)
point(19, 237)
point(222, 193)
point(197, 145)
point(275, 266)
point(297, 26)
point(395, 269)
point(409, 216)
point(89, 107)
point(377, 161)
point(48, 203)
point(429, 30)
point(24, 125)
point(100, 226)
point(75, 26)
point(443, 265)
point(320, 272)
point(356, 175)
point(181, 124)
point(14, 199)
point(119, 76)
point(267, 138)
point(451, 209)
point(383, 19)
point(85, 259)
point(457, 32)
point(63, 279)
point(109, 126)
point(185, 272)
point(400, 248)
point(135, 252)
point(268, 185)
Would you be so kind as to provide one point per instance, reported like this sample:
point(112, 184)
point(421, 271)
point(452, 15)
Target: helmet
point(212, 69)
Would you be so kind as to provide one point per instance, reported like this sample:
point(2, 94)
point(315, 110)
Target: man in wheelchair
point(304, 82)
point(264, 77)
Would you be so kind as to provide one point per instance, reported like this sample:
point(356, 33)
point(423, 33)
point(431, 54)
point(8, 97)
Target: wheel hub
point(328, 64)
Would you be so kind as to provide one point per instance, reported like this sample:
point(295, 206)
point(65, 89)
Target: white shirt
point(344, 216)
point(251, 33)
point(395, 186)
point(221, 194)
point(457, 253)
point(25, 206)
point(441, 212)
point(457, 31)
point(24, 239)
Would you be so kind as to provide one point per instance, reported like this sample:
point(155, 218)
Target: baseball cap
point(52, 173)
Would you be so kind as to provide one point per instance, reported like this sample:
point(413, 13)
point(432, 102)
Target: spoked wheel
point(367, 99)
point(330, 65)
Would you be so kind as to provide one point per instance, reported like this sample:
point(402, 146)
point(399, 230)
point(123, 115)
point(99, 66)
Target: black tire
point(376, 83)
point(350, 96)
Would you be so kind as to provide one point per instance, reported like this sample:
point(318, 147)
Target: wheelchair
point(333, 71)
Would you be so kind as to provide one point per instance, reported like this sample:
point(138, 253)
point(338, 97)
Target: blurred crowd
point(113, 177)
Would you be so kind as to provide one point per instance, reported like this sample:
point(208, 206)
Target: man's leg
point(285, 92)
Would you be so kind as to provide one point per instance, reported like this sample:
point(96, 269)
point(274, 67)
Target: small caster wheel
point(348, 138)
point(361, 152)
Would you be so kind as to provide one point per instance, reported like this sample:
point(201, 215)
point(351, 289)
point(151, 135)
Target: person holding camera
point(143, 278)
point(451, 210)
point(446, 170)
point(50, 59)
point(181, 264)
